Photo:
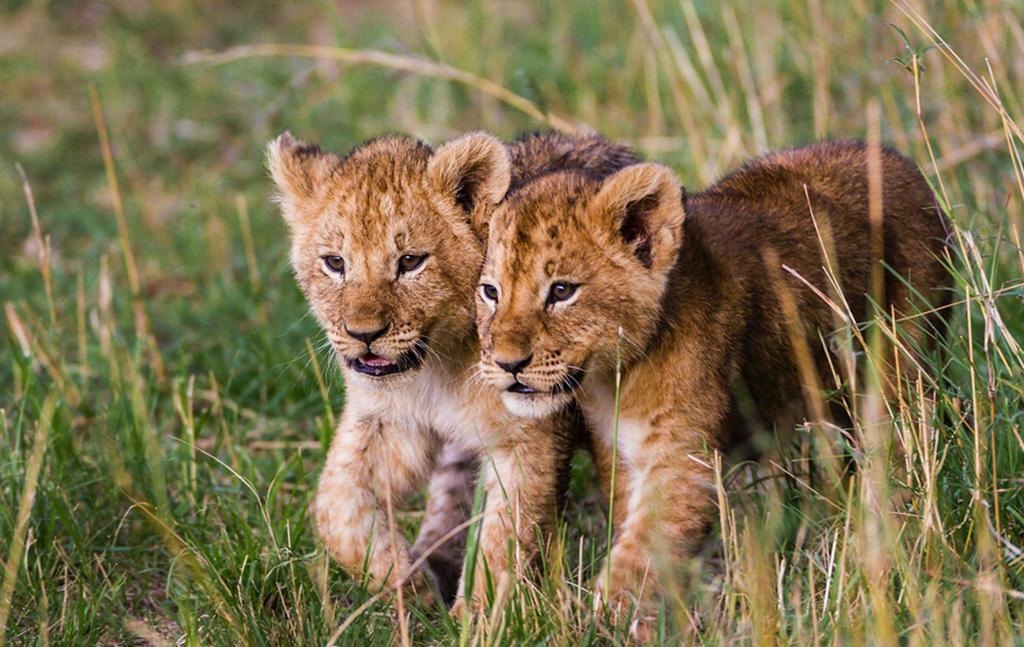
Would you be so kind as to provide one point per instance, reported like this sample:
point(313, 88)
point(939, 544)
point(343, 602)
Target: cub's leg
point(668, 509)
point(368, 460)
point(668, 441)
point(449, 503)
point(522, 474)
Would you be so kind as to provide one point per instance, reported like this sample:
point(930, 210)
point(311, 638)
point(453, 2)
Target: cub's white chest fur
point(436, 400)
point(597, 399)
point(625, 433)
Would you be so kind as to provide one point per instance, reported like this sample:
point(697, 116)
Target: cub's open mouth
point(376, 366)
point(519, 387)
point(569, 383)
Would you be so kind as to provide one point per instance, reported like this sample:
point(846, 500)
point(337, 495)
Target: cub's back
point(767, 205)
point(769, 202)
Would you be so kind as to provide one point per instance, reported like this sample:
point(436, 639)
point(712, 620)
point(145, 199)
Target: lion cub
point(387, 245)
point(692, 285)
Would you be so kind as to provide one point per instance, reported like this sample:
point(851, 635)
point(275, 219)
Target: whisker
point(573, 381)
point(434, 353)
point(475, 376)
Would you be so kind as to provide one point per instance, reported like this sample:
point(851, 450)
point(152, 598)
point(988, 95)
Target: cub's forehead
point(543, 225)
point(379, 188)
point(385, 166)
point(546, 209)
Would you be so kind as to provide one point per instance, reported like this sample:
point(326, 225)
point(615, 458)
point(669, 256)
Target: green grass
point(170, 422)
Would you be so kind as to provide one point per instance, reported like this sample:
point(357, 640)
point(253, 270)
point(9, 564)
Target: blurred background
point(165, 400)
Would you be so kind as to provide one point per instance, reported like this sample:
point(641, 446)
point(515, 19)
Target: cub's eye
point(334, 264)
point(410, 262)
point(561, 291)
point(489, 292)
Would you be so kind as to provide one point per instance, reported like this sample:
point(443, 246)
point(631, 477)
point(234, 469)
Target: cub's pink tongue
point(375, 360)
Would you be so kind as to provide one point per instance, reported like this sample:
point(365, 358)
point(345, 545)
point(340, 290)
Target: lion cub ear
point(299, 171)
point(643, 203)
point(473, 171)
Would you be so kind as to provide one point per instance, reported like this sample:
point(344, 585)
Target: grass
point(165, 403)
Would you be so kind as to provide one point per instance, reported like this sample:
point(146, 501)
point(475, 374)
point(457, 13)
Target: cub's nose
point(367, 336)
point(515, 365)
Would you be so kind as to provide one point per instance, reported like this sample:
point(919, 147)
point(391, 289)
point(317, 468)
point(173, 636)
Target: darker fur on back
point(764, 208)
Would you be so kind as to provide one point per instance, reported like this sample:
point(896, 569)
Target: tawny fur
point(693, 283)
point(389, 198)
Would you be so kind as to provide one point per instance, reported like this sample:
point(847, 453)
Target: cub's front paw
point(421, 586)
point(622, 587)
point(625, 597)
point(471, 605)
point(459, 608)
point(480, 600)
point(611, 598)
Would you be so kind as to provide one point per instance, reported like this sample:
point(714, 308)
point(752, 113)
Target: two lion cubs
point(599, 275)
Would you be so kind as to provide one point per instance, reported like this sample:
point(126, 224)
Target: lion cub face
point(386, 244)
point(571, 262)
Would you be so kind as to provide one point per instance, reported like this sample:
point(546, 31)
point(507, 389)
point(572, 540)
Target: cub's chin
point(534, 405)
